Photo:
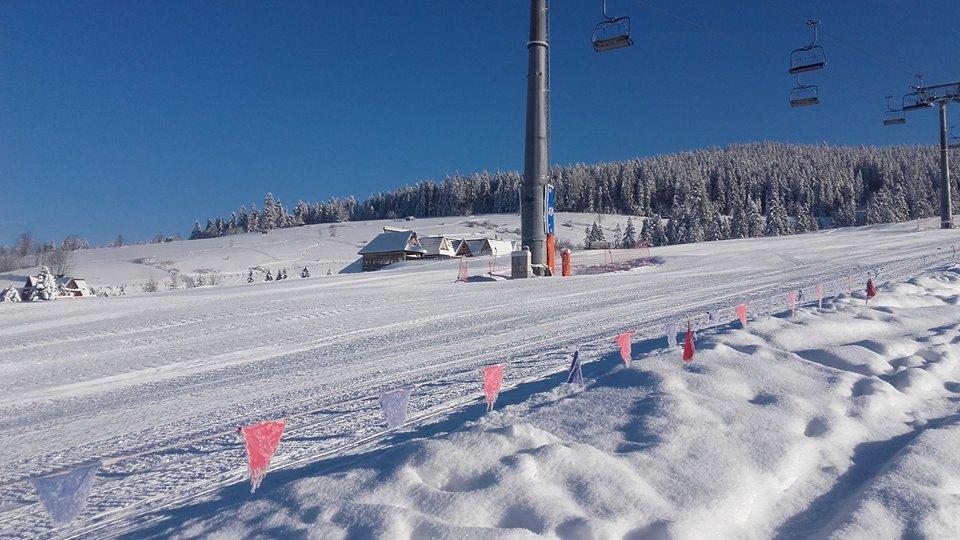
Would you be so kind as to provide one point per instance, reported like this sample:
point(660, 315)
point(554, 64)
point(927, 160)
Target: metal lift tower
point(924, 98)
point(536, 158)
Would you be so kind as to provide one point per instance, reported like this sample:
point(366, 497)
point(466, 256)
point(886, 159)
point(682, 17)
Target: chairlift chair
point(893, 117)
point(804, 95)
point(915, 101)
point(809, 58)
point(611, 33)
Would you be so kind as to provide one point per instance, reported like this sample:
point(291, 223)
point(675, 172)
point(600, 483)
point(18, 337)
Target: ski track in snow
point(125, 375)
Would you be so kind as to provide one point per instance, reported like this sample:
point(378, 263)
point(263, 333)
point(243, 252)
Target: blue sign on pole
point(548, 215)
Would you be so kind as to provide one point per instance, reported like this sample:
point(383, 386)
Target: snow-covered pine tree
point(778, 224)
point(716, 227)
point(197, 232)
point(305, 273)
point(268, 218)
point(199, 281)
point(617, 237)
point(646, 232)
point(597, 232)
point(880, 207)
point(269, 276)
point(739, 223)
point(250, 276)
point(658, 236)
point(755, 223)
point(630, 235)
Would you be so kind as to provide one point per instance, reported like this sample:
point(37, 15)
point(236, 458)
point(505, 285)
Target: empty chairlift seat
point(809, 58)
point(611, 33)
point(804, 95)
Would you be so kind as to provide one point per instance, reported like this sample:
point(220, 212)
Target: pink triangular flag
point(792, 300)
point(261, 441)
point(492, 377)
point(623, 340)
point(871, 289)
point(819, 294)
point(742, 314)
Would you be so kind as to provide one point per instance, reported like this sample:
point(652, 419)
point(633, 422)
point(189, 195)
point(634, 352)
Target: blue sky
point(139, 117)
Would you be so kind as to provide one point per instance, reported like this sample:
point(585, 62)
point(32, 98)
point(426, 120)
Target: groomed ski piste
point(835, 420)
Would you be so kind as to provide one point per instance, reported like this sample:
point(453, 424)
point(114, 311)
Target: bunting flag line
point(492, 377)
point(871, 289)
point(688, 349)
point(792, 300)
point(261, 441)
point(819, 295)
point(64, 494)
point(623, 340)
point(670, 330)
point(742, 314)
point(576, 371)
point(394, 406)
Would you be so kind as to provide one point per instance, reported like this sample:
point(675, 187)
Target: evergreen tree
point(739, 222)
point(250, 276)
point(617, 237)
point(197, 231)
point(269, 276)
point(880, 207)
point(755, 223)
point(646, 232)
point(658, 236)
point(778, 224)
point(716, 227)
point(305, 273)
point(630, 235)
point(199, 280)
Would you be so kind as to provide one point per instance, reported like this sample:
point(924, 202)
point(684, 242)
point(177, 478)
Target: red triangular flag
point(688, 349)
point(871, 289)
point(261, 441)
point(623, 340)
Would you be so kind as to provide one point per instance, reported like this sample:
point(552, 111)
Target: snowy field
point(833, 420)
point(320, 248)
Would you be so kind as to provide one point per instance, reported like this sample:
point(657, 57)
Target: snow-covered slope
point(159, 382)
point(836, 421)
point(320, 248)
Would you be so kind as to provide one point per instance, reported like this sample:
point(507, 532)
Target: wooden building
point(391, 246)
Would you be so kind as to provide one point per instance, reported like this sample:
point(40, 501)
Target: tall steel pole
point(946, 207)
point(536, 162)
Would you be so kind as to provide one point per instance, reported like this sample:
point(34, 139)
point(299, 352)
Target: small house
point(438, 247)
point(460, 248)
point(391, 246)
point(68, 286)
point(28, 286)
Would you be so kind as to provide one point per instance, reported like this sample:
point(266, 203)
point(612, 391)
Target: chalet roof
point(500, 247)
point(392, 242)
point(435, 245)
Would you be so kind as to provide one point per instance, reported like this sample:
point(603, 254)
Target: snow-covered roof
point(393, 241)
point(478, 245)
point(437, 245)
point(500, 247)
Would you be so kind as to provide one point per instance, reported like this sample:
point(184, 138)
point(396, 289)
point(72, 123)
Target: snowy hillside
point(320, 248)
point(758, 435)
point(841, 421)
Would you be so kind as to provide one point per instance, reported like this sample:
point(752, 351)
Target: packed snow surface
point(835, 420)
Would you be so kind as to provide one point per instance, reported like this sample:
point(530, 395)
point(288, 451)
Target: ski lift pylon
point(809, 58)
point(804, 95)
point(611, 33)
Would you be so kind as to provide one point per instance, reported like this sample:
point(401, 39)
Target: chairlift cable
point(900, 66)
point(745, 45)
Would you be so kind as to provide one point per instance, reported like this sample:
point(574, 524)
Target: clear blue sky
point(139, 117)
